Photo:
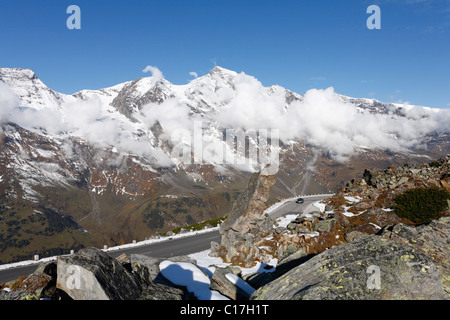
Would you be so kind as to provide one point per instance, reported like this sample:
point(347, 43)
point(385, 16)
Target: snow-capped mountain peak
point(222, 71)
point(31, 91)
point(140, 92)
point(105, 95)
point(228, 98)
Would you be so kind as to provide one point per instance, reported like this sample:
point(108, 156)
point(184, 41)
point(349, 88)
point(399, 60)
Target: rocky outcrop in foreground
point(247, 225)
point(401, 263)
point(363, 207)
point(353, 247)
point(92, 274)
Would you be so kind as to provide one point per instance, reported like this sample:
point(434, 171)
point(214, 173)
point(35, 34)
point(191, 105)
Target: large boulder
point(431, 239)
point(91, 274)
point(372, 267)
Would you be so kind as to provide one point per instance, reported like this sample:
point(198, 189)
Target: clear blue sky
point(298, 44)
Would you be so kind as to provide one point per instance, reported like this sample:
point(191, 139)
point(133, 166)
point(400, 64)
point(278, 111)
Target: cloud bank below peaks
point(323, 119)
point(228, 100)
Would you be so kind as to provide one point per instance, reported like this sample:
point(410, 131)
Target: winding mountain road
point(179, 246)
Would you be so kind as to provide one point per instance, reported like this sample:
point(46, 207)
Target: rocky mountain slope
point(112, 165)
point(363, 207)
point(354, 246)
point(327, 254)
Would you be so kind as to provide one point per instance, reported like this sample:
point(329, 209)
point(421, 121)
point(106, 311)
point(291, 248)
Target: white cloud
point(321, 119)
point(170, 114)
point(194, 74)
point(8, 102)
point(250, 105)
point(156, 73)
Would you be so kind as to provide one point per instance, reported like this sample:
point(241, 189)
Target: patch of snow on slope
point(210, 263)
point(319, 205)
point(353, 199)
point(285, 220)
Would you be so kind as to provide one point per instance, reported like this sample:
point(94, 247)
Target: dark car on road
point(300, 200)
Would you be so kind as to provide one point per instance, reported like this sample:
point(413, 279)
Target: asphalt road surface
point(177, 247)
point(291, 207)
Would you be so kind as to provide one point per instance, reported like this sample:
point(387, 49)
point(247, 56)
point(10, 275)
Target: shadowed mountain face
point(112, 165)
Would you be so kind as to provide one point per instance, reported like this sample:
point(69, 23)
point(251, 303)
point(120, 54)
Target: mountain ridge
point(8, 75)
point(106, 158)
